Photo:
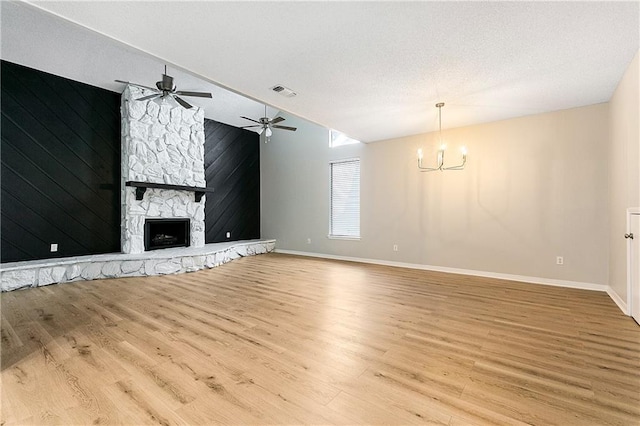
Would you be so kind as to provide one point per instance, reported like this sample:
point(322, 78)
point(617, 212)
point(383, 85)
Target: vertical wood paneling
point(60, 150)
point(232, 169)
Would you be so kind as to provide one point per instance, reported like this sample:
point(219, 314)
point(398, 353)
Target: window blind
point(345, 199)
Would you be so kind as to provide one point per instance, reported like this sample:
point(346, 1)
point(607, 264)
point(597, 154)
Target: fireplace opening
point(165, 233)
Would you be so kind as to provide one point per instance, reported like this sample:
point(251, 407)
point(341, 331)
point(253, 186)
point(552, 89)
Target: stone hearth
point(159, 262)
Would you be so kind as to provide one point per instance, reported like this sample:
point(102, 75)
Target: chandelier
point(440, 159)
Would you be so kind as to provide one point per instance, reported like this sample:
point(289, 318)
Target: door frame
point(630, 212)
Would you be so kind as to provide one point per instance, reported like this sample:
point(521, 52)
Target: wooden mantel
point(141, 188)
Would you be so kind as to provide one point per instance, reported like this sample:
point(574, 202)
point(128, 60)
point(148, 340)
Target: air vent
point(284, 91)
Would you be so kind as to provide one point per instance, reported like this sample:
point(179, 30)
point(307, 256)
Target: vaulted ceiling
point(375, 70)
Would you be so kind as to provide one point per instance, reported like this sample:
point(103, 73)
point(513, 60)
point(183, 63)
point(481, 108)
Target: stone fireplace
point(162, 144)
point(163, 182)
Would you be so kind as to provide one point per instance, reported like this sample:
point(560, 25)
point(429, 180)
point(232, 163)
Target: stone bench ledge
point(38, 273)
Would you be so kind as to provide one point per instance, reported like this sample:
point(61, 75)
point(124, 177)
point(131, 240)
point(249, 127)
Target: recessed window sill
point(342, 237)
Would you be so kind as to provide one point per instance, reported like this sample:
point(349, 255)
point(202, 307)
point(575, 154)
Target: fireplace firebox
point(165, 233)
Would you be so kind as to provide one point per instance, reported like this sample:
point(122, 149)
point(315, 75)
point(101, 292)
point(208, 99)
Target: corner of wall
point(624, 173)
point(618, 300)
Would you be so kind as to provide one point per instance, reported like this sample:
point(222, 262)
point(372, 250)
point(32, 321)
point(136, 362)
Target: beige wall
point(534, 188)
point(624, 171)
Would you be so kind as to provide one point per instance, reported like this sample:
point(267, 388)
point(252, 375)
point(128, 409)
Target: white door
point(634, 264)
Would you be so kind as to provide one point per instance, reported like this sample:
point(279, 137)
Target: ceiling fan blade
point(182, 102)
point(277, 120)
point(248, 127)
point(144, 98)
point(250, 119)
point(198, 94)
point(293, 129)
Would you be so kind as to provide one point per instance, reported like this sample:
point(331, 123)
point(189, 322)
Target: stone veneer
point(161, 143)
point(159, 262)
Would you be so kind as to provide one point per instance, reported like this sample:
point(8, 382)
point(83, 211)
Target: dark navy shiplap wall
point(60, 166)
point(232, 169)
point(60, 170)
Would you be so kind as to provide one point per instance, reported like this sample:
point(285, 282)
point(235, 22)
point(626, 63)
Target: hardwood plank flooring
point(278, 339)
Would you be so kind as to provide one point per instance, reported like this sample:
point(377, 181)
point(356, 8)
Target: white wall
point(624, 171)
point(534, 188)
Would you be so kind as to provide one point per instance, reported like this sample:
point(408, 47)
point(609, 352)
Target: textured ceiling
point(374, 70)
point(39, 40)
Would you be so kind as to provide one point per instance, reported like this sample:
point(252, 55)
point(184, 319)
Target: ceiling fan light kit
point(266, 125)
point(440, 158)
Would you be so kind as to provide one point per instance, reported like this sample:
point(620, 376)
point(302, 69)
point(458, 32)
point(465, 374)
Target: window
point(345, 199)
point(338, 139)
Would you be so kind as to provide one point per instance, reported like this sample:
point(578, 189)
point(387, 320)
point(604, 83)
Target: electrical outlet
point(228, 234)
point(308, 240)
point(559, 260)
point(395, 247)
point(54, 247)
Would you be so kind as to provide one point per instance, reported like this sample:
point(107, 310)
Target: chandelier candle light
point(443, 146)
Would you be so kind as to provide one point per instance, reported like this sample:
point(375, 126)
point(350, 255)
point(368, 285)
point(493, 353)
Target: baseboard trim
point(618, 301)
point(484, 274)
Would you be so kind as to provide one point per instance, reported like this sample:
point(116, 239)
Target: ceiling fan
point(265, 124)
point(166, 89)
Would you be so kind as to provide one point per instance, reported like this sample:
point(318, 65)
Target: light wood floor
point(276, 339)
